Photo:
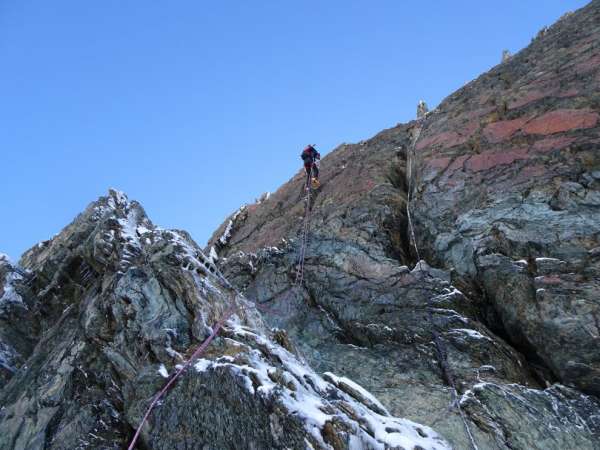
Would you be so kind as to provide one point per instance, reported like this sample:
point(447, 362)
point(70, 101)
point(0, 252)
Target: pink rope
point(216, 328)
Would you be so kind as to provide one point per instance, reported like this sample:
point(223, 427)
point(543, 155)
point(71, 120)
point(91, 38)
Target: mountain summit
point(440, 289)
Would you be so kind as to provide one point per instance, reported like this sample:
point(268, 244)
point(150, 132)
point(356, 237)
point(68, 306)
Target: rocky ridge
point(113, 304)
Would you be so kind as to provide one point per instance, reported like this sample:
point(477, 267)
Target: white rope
point(409, 160)
point(442, 353)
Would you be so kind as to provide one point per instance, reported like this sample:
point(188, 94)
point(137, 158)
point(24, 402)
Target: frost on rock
point(224, 238)
point(274, 373)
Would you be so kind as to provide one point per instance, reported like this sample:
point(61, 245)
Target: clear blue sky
point(195, 107)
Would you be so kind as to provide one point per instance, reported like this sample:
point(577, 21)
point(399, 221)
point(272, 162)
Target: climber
point(310, 156)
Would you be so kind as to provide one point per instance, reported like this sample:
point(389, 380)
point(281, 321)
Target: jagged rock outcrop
point(117, 304)
point(17, 325)
point(422, 109)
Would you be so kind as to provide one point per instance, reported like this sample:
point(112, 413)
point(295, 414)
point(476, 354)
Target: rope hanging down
point(229, 312)
point(215, 330)
point(442, 354)
point(305, 233)
point(305, 230)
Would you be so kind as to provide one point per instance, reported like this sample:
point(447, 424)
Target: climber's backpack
point(307, 154)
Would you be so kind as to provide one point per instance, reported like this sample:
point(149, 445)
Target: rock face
point(114, 304)
point(503, 179)
point(493, 290)
point(507, 193)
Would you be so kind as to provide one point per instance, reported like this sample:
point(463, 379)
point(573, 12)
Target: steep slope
point(17, 324)
point(498, 164)
point(117, 304)
point(507, 192)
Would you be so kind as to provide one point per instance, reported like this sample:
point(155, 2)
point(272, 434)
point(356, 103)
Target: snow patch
point(473, 334)
point(227, 233)
point(214, 257)
point(308, 401)
point(141, 230)
point(163, 371)
point(129, 227)
point(10, 295)
point(547, 260)
point(362, 392)
point(201, 364)
point(8, 357)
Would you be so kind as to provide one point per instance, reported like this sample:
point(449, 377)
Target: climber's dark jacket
point(309, 156)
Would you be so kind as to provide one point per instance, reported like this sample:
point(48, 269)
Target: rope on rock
point(230, 311)
point(442, 354)
point(215, 330)
point(304, 239)
point(305, 231)
point(409, 170)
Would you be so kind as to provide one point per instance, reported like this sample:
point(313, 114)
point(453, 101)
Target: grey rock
point(119, 304)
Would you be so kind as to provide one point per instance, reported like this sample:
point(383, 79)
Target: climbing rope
point(305, 231)
point(215, 330)
point(442, 354)
point(409, 169)
point(230, 311)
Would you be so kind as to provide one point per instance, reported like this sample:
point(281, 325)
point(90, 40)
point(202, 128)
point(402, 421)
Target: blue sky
point(195, 107)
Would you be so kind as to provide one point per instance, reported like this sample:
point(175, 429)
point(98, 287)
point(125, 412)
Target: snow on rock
point(117, 198)
point(214, 257)
point(273, 372)
point(9, 294)
point(8, 357)
point(163, 371)
point(129, 227)
point(473, 334)
point(227, 233)
point(357, 391)
point(224, 239)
